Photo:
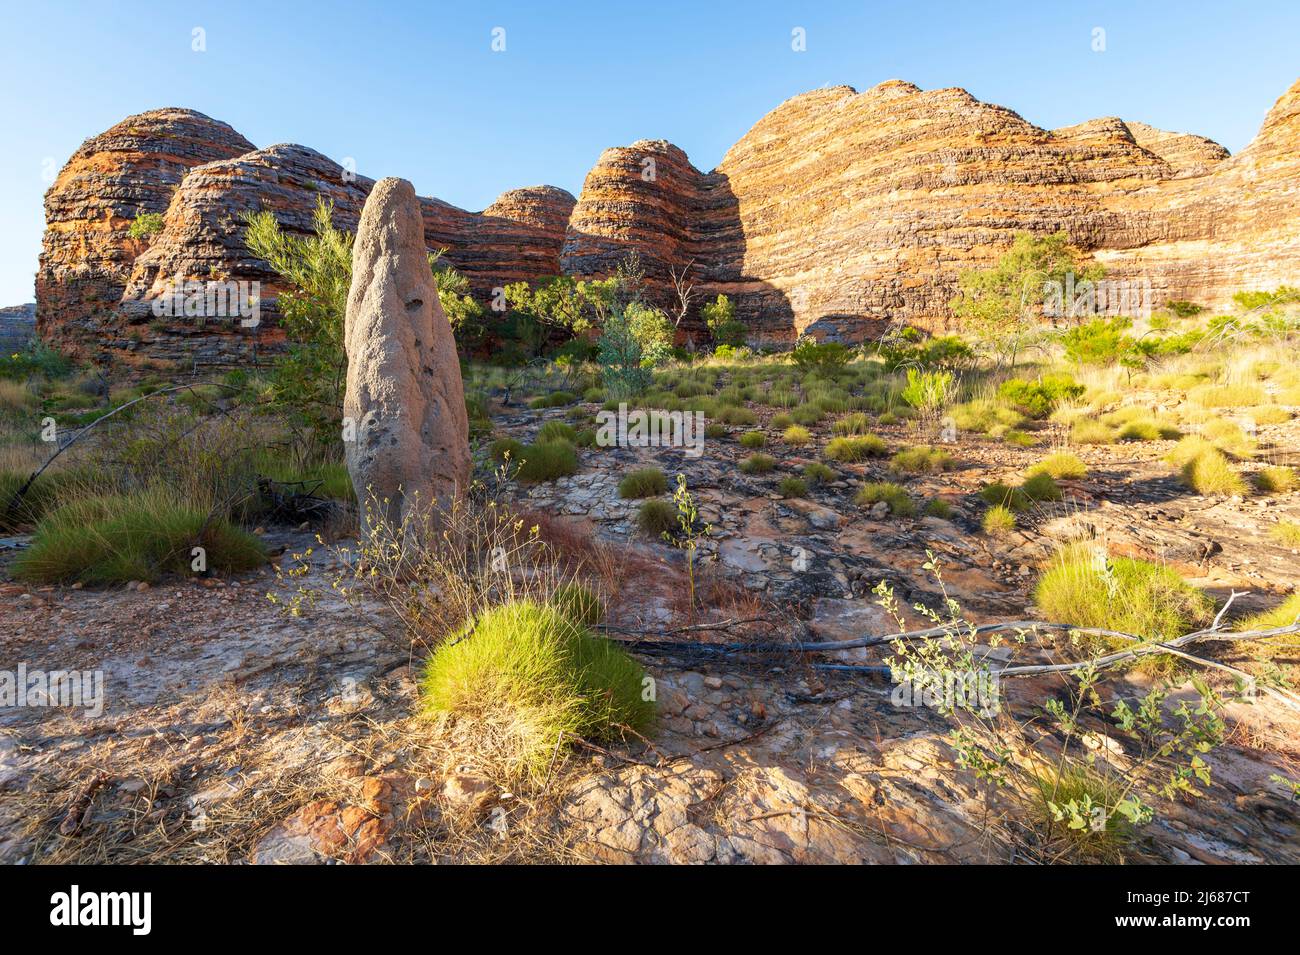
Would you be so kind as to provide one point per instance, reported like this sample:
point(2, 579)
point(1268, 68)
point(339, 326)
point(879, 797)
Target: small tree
point(1003, 305)
point(720, 317)
point(308, 380)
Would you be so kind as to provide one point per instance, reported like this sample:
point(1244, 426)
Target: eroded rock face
point(404, 394)
point(840, 211)
point(87, 255)
point(837, 213)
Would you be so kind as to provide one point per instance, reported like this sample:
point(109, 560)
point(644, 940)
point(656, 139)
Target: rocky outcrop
point(404, 404)
point(131, 169)
point(837, 213)
point(840, 211)
point(97, 285)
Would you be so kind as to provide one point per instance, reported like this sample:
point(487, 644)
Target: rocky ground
point(234, 732)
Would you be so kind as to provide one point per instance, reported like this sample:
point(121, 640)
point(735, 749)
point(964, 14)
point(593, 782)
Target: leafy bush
point(1084, 587)
point(792, 487)
point(38, 358)
point(758, 464)
point(900, 505)
point(999, 521)
point(753, 440)
point(850, 449)
point(909, 348)
point(112, 539)
point(621, 358)
point(811, 355)
point(720, 317)
point(922, 459)
point(1038, 398)
point(533, 679)
point(657, 517)
point(644, 482)
point(145, 225)
point(548, 460)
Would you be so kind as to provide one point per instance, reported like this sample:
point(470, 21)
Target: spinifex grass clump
point(1210, 473)
point(921, 459)
point(556, 431)
point(1085, 587)
point(855, 448)
point(117, 538)
point(900, 505)
point(532, 681)
point(758, 464)
point(814, 472)
point(999, 521)
point(656, 517)
point(547, 461)
point(1062, 466)
point(643, 482)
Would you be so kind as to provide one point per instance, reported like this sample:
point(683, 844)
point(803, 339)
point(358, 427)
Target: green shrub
point(535, 680)
point(792, 487)
point(758, 464)
point(1277, 480)
point(115, 538)
point(547, 461)
point(999, 521)
point(850, 449)
point(900, 505)
point(145, 225)
point(657, 517)
point(809, 355)
point(796, 435)
point(753, 440)
point(921, 459)
point(938, 507)
point(1041, 486)
point(1119, 593)
point(503, 447)
point(557, 431)
point(554, 400)
point(1210, 473)
point(814, 472)
point(644, 482)
point(1062, 466)
point(1038, 398)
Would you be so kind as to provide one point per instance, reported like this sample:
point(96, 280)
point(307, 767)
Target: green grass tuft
point(656, 517)
point(1082, 588)
point(921, 459)
point(644, 482)
point(999, 521)
point(850, 449)
point(900, 505)
point(758, 464)
point(534, 681)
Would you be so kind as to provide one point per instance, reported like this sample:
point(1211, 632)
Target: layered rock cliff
point(837, 213)
point(97, 285)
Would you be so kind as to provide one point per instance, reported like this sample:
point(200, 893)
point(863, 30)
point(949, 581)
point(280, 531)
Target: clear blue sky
point(415, 89)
